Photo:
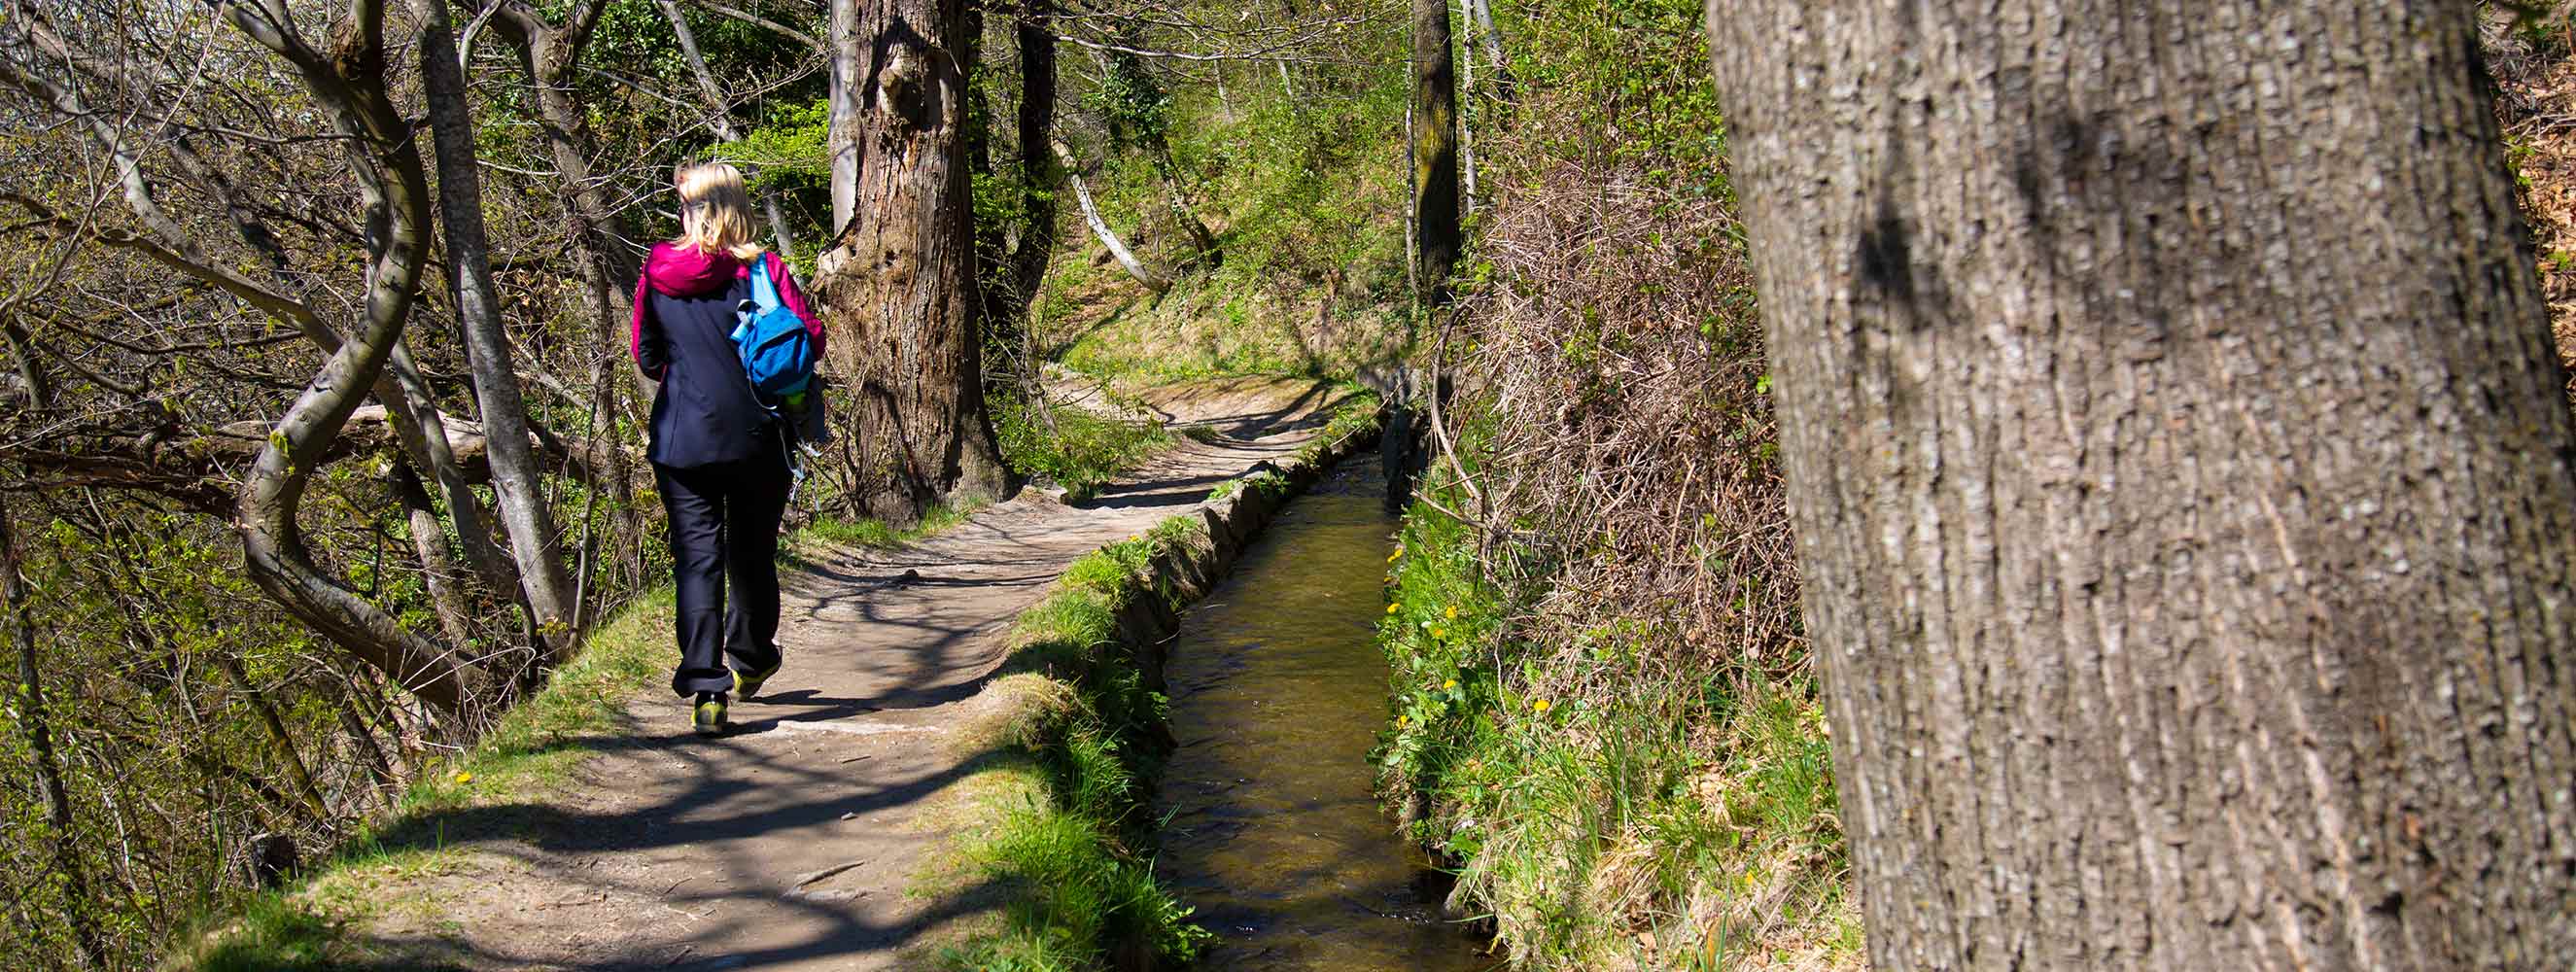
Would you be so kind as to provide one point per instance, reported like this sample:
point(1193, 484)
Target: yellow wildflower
point(1541, 705)
point(1391, 558)
point(1450, 684)
point(1390, 609)
point(1439, 632)
point(465, 777)
point(1453, 612)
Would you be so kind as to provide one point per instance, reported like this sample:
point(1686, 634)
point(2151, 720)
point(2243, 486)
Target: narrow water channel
point(1277, 695)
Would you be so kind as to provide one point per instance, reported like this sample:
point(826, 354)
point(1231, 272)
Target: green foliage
point(793, 143)
point(1635, 67)
point(1304, 191)
point(1080, 450)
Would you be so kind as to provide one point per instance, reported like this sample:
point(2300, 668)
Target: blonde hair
point(715, 211)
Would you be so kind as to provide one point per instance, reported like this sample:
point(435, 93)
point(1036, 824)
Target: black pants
point(724, 530)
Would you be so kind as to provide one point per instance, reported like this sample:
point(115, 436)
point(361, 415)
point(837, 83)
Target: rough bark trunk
point(900, 287)
point(1153, 280)
point(525, 513)
point(34, 720)
point(1435, 156)
point(2179, 474)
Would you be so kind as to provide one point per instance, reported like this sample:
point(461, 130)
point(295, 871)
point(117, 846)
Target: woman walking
point(719, 456)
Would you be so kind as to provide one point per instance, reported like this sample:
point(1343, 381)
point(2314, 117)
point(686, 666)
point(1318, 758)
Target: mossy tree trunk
point(1435, 154)
point(899, 290)
point(2180, 478)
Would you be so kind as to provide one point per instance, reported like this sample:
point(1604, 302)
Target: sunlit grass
point(1647, 821)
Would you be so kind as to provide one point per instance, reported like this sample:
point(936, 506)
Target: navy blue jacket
point(705, 413)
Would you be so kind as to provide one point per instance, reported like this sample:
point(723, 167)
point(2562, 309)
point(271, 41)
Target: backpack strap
point(764, 292)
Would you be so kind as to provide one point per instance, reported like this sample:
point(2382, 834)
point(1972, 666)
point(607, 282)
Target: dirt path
point(789, 844)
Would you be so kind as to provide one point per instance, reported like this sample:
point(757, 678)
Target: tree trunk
point(1153, 280)
point(2180, 477)
point(438, 571)
point(550, 53)
point(1435, 156)
point(1008, 309)
point(28, 702)
point(394, 189)
point(900, 287)
point(1467, 124)
point(850, 57)
point(525, 513)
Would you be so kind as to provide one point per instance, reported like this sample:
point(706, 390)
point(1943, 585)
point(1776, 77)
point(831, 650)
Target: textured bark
point(899, 290)
point(526, 514)
point(2179, 474)
point(1435, 150)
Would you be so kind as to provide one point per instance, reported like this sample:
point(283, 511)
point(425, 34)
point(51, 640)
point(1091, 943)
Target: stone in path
point(789, 844)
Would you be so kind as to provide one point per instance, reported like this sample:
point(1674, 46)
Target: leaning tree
point(2180, 478)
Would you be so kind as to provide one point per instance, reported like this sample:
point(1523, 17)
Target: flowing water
point(1277, 694)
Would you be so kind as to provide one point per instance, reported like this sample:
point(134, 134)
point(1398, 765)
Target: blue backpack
point(777, 353)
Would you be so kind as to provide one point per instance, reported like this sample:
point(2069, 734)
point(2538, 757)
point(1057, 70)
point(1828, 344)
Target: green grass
point(1606, 813)
point(1067, 840)
point(802, 547)
point(1082, 450)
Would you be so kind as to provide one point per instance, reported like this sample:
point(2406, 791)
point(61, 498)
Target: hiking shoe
point(747, 684)
point(709, 718)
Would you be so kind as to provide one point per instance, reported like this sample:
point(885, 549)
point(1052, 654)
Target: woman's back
point(705, 413)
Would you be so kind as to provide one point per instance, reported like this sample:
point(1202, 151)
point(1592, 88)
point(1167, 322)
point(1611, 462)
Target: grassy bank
point(1604, 712)
point(1068, 739)
point(1609, 809)
point(529, 753)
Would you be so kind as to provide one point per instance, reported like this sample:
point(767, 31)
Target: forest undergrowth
point(1605, 717)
